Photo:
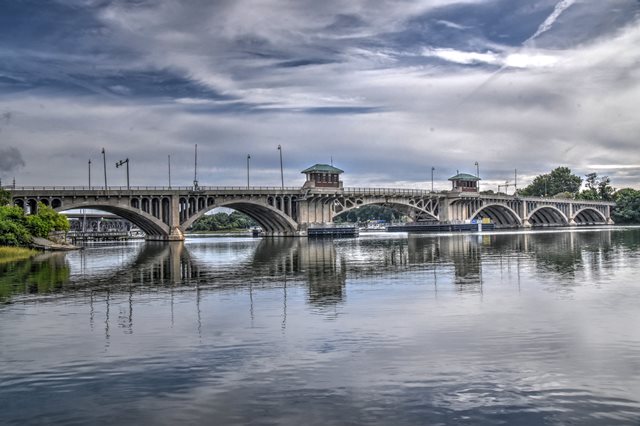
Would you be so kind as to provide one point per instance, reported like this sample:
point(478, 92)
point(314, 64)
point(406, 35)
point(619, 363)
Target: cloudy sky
point(387, 88)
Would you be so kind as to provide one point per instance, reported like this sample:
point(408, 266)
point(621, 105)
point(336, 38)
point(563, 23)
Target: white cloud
point(512, 60)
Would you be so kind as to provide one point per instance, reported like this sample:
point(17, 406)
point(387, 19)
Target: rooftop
point(465, 177)
point(322, 168)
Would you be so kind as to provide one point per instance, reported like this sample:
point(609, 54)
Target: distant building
point(464, 182)
point(323, 176)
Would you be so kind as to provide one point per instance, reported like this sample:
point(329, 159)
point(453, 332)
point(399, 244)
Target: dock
point(333, 232)
point(441, 227)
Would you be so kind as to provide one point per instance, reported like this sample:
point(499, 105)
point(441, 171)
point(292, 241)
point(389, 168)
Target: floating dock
point(101, 236)
point(337, 232)
point(442, 227)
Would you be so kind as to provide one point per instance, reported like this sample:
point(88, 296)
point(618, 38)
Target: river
point(536, 328)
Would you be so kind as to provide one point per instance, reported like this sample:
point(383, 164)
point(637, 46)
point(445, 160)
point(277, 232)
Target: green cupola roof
point(322, 168)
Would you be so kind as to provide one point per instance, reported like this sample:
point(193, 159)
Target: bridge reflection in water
point(322, 270)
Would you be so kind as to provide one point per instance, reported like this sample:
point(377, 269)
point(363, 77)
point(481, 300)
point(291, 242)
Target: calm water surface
point(518, 329)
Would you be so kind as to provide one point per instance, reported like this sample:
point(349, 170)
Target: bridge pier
point(175, 234)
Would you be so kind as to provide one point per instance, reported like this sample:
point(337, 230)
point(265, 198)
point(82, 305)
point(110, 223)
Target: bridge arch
point(270, 219)
point(547, 216)
point(500, 214)
point(150, 225)
point(589, 215)
point(401, 207)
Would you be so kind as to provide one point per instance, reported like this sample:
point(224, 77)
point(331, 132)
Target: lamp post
point(433, 169)
point(248, 158)
point(84, 211)
point(122, 162)
point(195, 170)
point(169, 164)
point(104, 164)
point(478, 174)
point(281, 169)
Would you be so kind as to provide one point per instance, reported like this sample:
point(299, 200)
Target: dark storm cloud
point(10, 160)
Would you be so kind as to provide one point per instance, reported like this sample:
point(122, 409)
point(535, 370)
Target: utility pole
point(169, 163)
point(281, 169)
point(122, 162)
point(248, 158)
point(104, 164)
point(195, 170)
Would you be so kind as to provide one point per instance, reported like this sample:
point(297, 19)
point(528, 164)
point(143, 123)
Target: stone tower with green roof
point(464, 182)
point(323, 176)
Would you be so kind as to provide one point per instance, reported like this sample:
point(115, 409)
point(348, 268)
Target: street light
point(122, 162)
point(195, 170)
point(281, 169)
point(89, 173)
point(248, 158)
point(478, 174)
point(104, 164)
point(433, 169)
point(169, 163)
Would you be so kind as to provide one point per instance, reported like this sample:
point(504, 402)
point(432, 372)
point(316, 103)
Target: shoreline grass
point(13, 254)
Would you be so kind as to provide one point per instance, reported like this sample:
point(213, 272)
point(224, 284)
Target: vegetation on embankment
point(233, 222)
point(18, 229)
point(13, 254)
point(370, 212)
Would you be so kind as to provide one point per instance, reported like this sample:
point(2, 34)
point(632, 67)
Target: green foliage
point(16, 229)
point(5, 197)
point(627, 208)
point(558, 181)
point(13, 227)
point(598, 189)
point(38, 227)
point(57, 221)
point(223, 222)
point(370, 212)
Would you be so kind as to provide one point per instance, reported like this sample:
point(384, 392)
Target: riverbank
point(13, 254)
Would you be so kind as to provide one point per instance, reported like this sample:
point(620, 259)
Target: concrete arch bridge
point(165, 213)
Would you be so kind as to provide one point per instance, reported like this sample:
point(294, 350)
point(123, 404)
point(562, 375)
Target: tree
point(558, 181)
point(17, 229)
point(13, 227)
point(627, 208)
point(597, 189)
point(5, 197)
point(223, 222)
point(370, 212)
point(47, 220)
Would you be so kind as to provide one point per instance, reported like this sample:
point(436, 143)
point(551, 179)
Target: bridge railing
point(390, 191)
point(152, 188)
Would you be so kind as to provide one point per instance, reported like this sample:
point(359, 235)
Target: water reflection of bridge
point(322, 268)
